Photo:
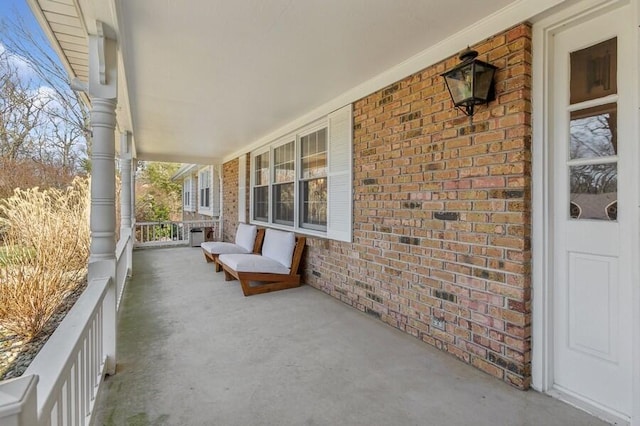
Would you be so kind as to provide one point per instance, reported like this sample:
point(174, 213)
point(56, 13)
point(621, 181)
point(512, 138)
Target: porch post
point(125, 180)
point(18, 401)
point(103, 181)
point(102, 90)
point(134, 168)
point(125, 195)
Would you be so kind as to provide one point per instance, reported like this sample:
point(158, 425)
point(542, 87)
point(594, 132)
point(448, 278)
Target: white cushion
point(279, 245)
point(246, 236)
point(253, 263)
point(218, 247)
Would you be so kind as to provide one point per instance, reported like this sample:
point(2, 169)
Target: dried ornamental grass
point(46, 249)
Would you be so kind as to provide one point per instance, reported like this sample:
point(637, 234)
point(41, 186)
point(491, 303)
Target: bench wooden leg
point(249, 290)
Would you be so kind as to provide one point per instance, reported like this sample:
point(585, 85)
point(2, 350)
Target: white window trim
point(343, 231)
point(205, 210)
point(190, 206)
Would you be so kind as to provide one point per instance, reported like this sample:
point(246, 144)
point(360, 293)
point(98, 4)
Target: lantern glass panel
point(460, 83)
point(484, 77)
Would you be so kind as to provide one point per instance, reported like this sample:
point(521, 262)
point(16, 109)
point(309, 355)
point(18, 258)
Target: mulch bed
point(16, 354)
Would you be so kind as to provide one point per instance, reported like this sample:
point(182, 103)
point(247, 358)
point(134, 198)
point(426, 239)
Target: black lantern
point(471, 82)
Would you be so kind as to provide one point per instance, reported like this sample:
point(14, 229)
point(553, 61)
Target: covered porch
point(436, 223)
point(192, 350)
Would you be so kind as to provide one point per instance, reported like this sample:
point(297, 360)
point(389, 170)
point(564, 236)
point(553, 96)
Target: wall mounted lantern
point(471, 82)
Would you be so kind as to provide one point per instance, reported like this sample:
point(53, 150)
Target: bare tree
point(21, 113)
point(60, 136)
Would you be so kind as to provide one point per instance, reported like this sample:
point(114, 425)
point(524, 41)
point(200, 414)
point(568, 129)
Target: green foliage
point(158, 198)
point(159, 175)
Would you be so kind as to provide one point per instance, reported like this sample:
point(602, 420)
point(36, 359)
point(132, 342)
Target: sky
point(9, 9)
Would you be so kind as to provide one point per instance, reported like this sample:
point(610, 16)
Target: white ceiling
point(201, 80)
point(205, 78)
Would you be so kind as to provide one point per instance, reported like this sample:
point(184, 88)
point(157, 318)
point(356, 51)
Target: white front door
point(591, 184)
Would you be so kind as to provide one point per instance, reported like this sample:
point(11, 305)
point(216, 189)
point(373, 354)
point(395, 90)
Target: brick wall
point(230, 198)
point(442, 214)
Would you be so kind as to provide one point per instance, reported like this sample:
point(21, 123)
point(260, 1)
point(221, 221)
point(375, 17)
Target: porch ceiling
point(207, 77)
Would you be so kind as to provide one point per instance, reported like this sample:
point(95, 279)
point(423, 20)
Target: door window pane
point(594, 192)
point(593, 71)
point(593, 132)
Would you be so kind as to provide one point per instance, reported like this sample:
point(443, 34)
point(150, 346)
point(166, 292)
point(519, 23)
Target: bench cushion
point(246, 236)
point(253, 263)
point(218, 247)
point(279, 246)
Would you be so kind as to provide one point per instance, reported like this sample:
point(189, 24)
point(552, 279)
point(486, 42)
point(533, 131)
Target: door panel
point(590, 186)
point(593, 291)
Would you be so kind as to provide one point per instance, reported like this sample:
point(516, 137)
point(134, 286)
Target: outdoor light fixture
point(471, 82)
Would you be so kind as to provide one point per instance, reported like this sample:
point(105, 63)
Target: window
point(261, 187)
point(204, 182)
point(303, 181)
point(283, 184)
point(313, 180)
point(187, 198)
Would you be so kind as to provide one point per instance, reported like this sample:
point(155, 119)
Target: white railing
point(70, 366)
point(62, 382)
point(123, 263)
point(149, 234)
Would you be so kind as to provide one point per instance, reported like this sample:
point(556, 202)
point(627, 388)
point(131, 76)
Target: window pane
point(283, 203)
point(594, 191)
point(593, 71)
point(262, 169)
point(314, 203)
point(314, 155)
point(261, 203)
point(284, 163)
point(593, 132)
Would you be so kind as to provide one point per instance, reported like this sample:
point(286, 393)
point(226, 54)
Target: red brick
point(437, 163)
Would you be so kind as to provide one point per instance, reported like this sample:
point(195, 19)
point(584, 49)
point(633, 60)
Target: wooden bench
point(248, 240)
point(276, 268)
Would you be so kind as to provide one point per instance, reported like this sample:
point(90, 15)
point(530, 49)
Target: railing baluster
point(178, 232)
point(66, 404)
point(91, 370)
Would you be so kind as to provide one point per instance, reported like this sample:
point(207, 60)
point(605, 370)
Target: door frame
point(544, 30)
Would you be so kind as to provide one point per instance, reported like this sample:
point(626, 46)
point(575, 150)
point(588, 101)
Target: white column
point(134, 168)
point(103, 180)
point(125, 196)
point(102, 90)
point(125, 180)
point(102, 257)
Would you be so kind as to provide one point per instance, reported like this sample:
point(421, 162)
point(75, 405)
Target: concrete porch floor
point(192, 350)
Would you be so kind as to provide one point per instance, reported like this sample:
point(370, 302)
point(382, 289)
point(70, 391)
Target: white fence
point(62, 382)
point(149, 234)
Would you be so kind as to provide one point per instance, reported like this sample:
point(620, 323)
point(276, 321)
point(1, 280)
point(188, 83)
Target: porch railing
point(62, 382)
point(149, 234)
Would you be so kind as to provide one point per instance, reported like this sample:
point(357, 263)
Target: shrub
point(44, 259)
